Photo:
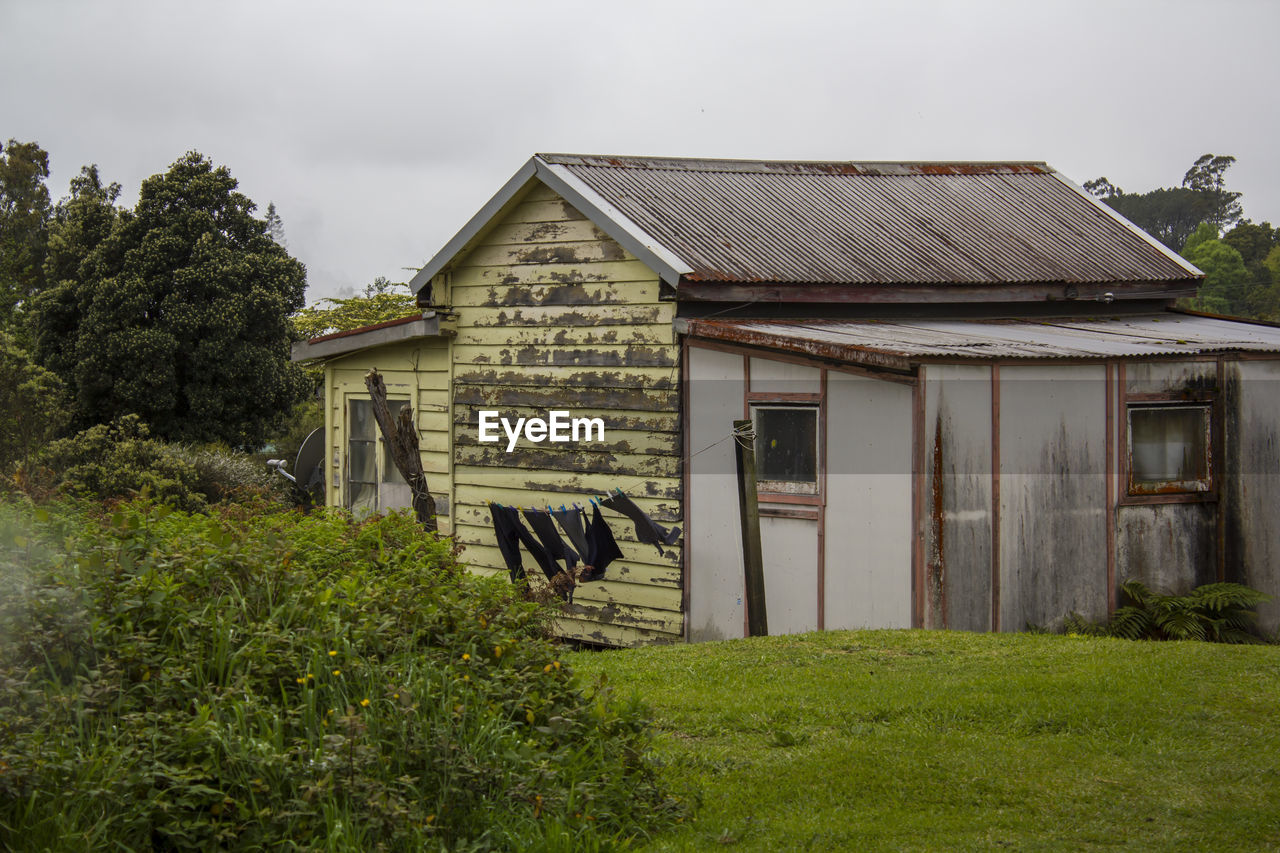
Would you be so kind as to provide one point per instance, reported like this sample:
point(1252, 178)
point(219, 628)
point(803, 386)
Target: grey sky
point(379, 128)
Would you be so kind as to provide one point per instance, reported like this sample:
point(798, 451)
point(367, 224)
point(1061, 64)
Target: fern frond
point(1130, 623)
point(1136, 591)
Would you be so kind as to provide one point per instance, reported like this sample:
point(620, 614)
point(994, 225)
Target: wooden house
point(974, 406)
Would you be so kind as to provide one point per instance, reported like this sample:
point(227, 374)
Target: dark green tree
point(180, 315)
point(1172, 214)
point(24, 216)
point(31, 406)
point(1225, 289)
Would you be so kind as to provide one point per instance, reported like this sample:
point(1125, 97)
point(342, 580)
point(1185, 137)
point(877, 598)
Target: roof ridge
point(868, 168)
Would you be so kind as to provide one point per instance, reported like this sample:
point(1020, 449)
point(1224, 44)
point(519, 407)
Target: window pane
point(364, 499)
point(390, 473)
point(362, 424)
point(1169, 444)
point(787, 444)
point(363, 463)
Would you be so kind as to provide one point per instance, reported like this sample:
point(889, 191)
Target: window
point(786, 448)
point(1169, 449)
point(373, 481)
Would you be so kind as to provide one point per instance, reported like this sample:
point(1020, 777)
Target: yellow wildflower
point(337, 672)
point(466, 656)
point(364, 703)
point(333, 653)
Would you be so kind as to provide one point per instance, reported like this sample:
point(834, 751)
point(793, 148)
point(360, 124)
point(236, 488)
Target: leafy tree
point(31, 405)
point(180, 314)
point(1225, 288)
point(1206, 177)
point(380, 301)
point(1172, 214)
point(24, 215)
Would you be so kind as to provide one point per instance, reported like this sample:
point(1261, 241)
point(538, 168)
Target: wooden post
point(749, 508)
point(402, 439)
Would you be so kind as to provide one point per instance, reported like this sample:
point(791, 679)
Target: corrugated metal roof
point(899, 343)
point(872, 223)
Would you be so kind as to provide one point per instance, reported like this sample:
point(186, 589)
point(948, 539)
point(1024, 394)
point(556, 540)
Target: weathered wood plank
point(605, 355)
point(521, 254)
point(612, 635)
point(473, 502)
point(567, 231)
point(582, 399)
point(634, 552)
point(614, 420)
point(565, 377)
point(433, 420)
point(666, 621)
point(551, 210)
point(573, 315)
point(476, 513)
point(615, 441)
point(496, 295)
point(489, 479)
point(561, 458)
point(563, 336)
point(506, 275)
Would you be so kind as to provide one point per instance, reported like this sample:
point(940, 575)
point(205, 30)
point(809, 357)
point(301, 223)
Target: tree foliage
point(31, 405)
point(24, 216)
point(1172, 214)
point(380, 301)
point(178, 313)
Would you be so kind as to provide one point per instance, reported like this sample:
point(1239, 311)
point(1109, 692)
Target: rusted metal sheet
point(1053, 535)
point(901, 343)
point(1253, 479)
point(872, 223)
point(958, 406)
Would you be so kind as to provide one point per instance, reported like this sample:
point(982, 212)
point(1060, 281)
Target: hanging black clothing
point(646, 529)
point(545, 529)
point(573, 525)
point(511, 533)
point(601, 550)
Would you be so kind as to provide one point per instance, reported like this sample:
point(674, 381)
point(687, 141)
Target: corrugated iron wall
point(553, 314)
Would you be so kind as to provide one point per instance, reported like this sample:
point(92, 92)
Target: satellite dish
point(309, 467)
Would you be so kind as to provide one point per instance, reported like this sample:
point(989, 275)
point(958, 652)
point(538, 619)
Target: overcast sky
point(379, 128)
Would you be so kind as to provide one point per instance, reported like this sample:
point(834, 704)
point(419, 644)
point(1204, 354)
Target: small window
point(373, 481)
point(786, 448)
point(1169, 449)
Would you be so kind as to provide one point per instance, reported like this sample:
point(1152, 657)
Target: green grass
point(913, 740)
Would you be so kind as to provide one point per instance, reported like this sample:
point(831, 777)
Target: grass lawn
point(910, 740)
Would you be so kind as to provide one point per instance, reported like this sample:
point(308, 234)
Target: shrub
point(1216, 612)
point(121, 459)
point(237, 680)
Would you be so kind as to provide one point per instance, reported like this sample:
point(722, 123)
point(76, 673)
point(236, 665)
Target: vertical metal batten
point(822, 506)
point(918, 468)
point(995, 497)
point(1111, 488)
point(1218, 465)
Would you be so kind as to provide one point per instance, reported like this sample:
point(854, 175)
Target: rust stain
point(937, 581)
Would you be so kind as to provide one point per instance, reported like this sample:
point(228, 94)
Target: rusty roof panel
point(874, 223)
point(899, 343)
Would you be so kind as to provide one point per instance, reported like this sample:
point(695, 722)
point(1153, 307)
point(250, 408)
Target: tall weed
point(175, 681)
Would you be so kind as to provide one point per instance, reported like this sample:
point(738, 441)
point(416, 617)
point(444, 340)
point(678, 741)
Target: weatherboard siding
point(416, 371)
point(553, 314)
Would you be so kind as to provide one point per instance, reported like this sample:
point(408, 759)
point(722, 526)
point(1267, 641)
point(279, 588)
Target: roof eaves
point(365, 337)
point(612, 221)
point(1191, 269)
point(475, 226)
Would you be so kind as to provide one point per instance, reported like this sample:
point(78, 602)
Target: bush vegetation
point(240, 680)
point(1216, 612)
